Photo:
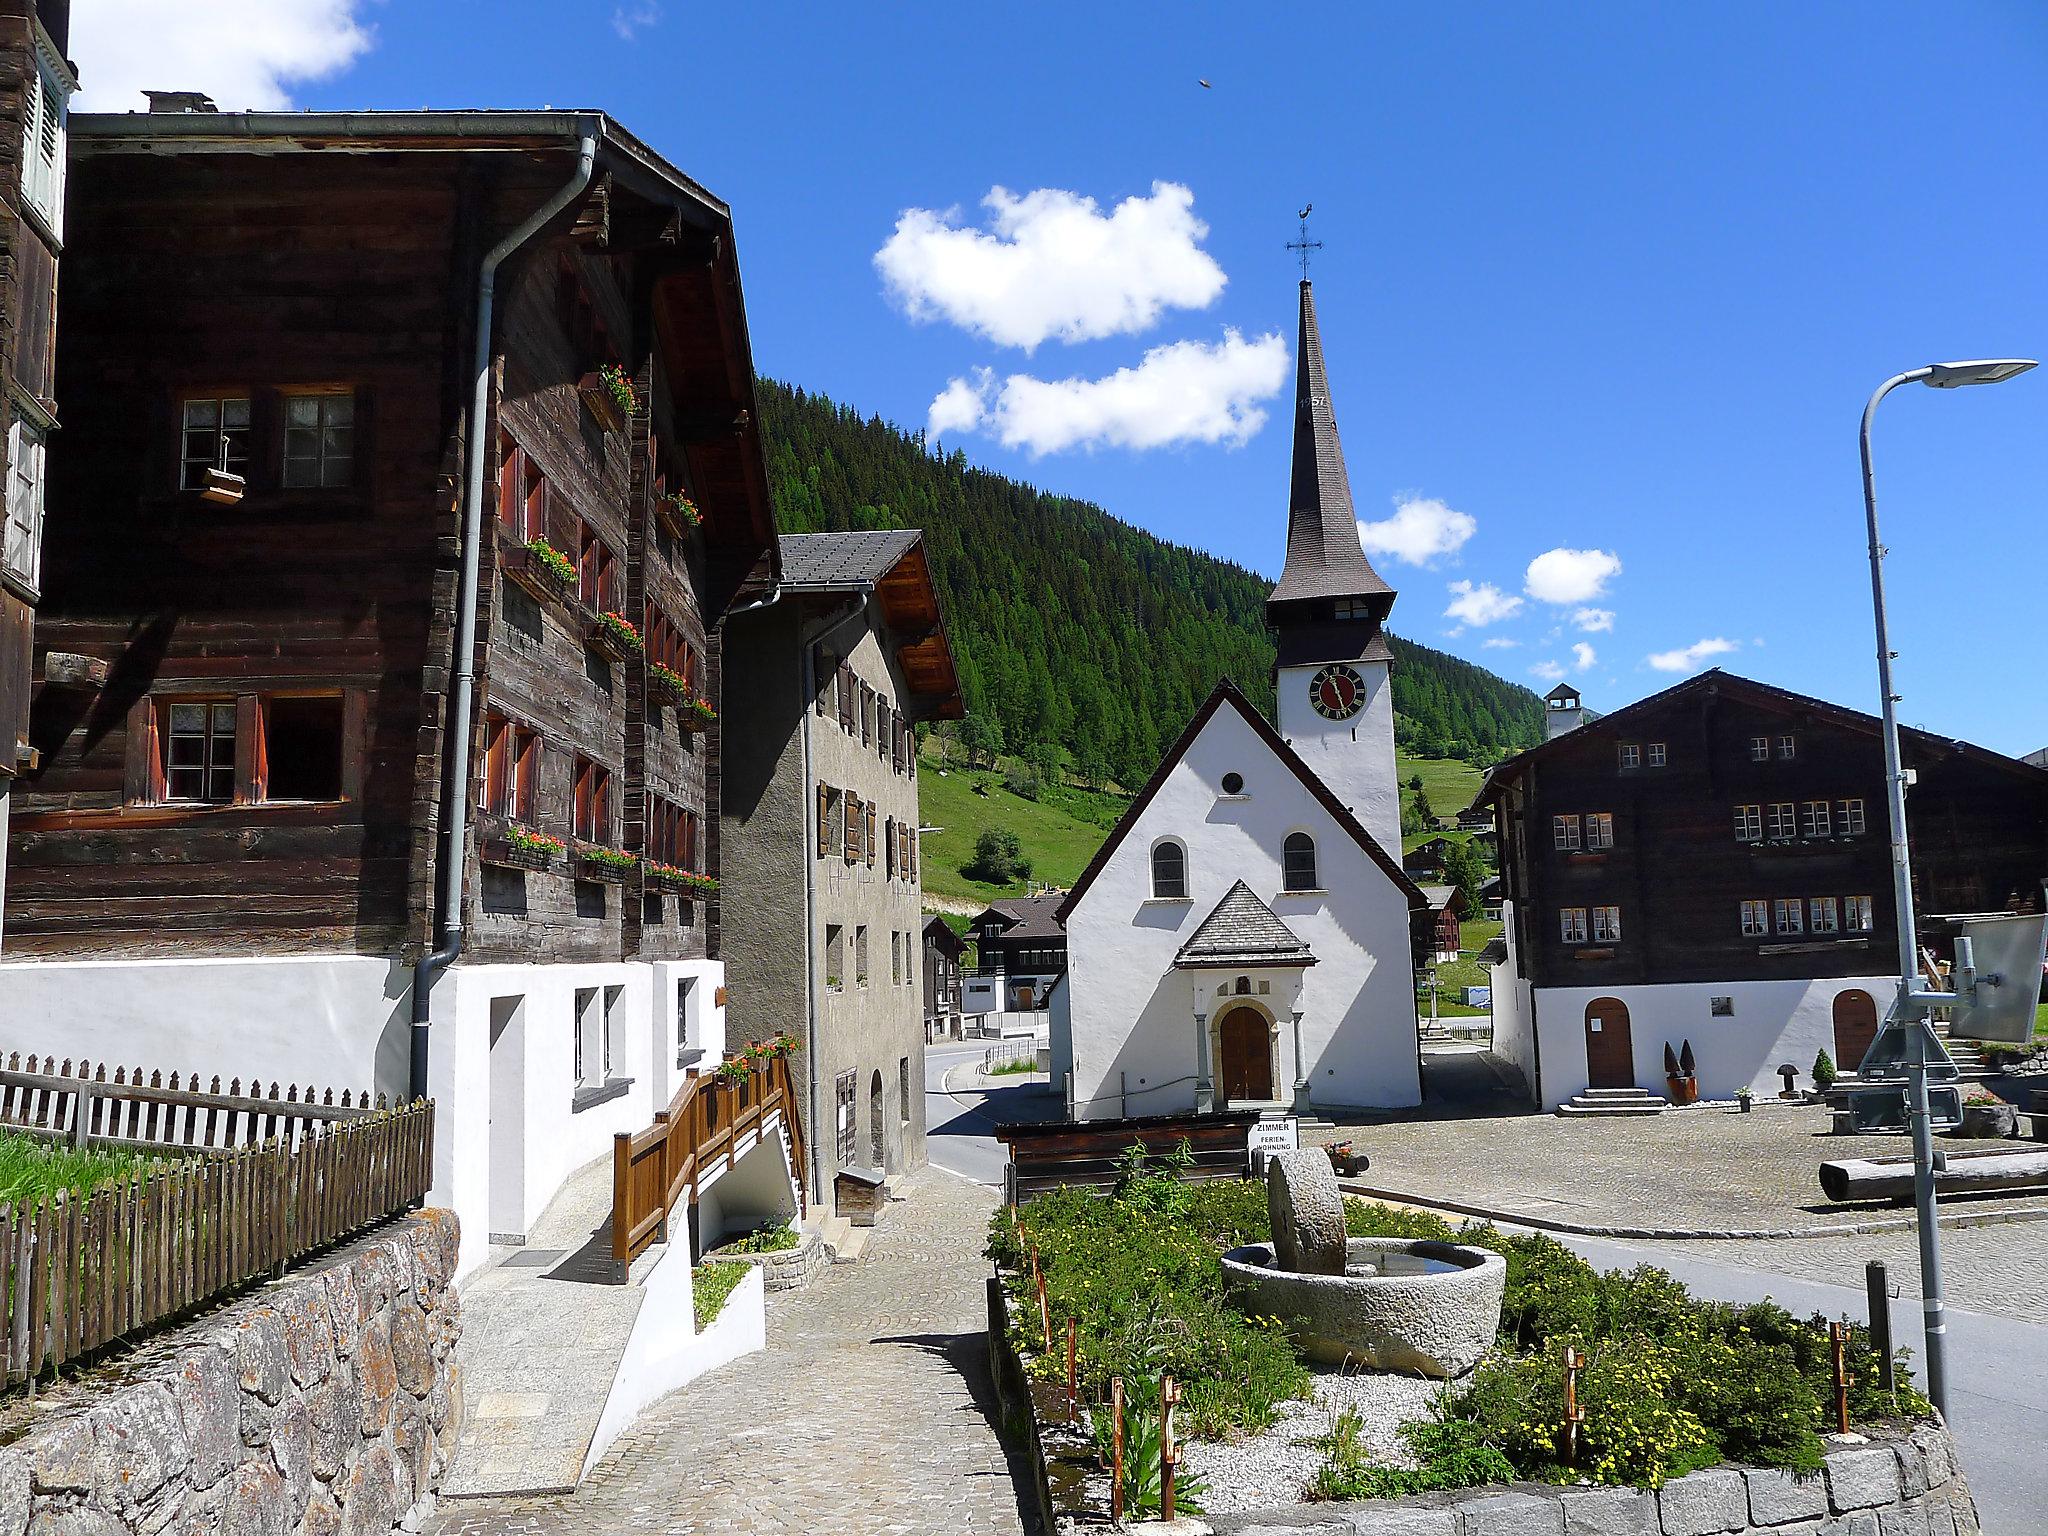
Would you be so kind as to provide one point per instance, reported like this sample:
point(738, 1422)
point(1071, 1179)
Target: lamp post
point(1911, 1014)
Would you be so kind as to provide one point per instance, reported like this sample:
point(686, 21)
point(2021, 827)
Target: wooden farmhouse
point(1713, 864)
point(274, 484)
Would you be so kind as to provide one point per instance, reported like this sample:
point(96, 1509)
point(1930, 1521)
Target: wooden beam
point(66, 669)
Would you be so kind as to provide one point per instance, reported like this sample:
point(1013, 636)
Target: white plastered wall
point(1354, 757)
point(1132, 1014)
point(1514, 1035)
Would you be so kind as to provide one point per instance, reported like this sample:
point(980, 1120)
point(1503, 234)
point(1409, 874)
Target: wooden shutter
point(252, 754)
point(824, 821)
point(871, 837)
point(913, 853)
point(851, 842)
point(143, 768)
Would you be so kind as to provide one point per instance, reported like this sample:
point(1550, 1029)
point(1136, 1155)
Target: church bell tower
point(1336, 697)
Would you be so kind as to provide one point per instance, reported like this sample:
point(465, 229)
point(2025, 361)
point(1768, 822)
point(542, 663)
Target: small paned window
point(1784, 821)
point(1856, 913)
point(216, 436)
point(1564, 832)
point(1607, 925)
point(1814, 820)
point(1631, 754)
point(319, 440)
point(1825, 914)
point(1600, 830)
point(1169, 872)
point(1849, 818)
point(1298, 855)
point(1749, 823)
point(1788, 748)
point(199, 752)
point(1756, 919)
point(22, 552)
point(511, 769)
point(1657, 754)
point(1759, 749)
point(1791, 915)
point(1571, 924)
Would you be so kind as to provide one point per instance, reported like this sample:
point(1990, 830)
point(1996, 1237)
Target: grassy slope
point(1450, 786)
point(1060, 833)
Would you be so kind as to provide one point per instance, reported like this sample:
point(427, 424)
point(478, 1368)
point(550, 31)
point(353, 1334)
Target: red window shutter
point(511, 485)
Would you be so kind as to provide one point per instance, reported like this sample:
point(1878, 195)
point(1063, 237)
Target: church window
point(1169, 872)
point(1233, 783)
point(1298, 856)
point(1353, 608)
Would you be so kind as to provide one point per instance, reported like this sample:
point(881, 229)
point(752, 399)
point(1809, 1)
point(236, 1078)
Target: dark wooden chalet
point(1727, 830)
point(268, 363)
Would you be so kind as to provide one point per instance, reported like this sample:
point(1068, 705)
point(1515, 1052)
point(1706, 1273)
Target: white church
point(1244, 936)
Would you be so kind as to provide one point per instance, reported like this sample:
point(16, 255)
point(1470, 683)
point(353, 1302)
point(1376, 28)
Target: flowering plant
point(1981, 1097)
point(533, 842)
point(669, 678)
point(733, 1069)
point(619, 385)
point(689, 880)
point(608, 858)
point(701, 708)
point(551, 560)
point(686, 509)
point(622, 629)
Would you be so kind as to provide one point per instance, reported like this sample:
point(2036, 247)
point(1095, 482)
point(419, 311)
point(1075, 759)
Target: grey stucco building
point(820, 881)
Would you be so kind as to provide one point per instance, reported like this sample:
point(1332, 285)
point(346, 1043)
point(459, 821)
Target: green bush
point(710, 1284)
point(1368, 1218)
point(1451, 1453)
point(1824, 1073)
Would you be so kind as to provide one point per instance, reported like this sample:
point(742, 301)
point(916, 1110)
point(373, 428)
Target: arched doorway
point(1246, 1049)
point(1610, 1052)
point(877, 1152)
point(1855, 1027)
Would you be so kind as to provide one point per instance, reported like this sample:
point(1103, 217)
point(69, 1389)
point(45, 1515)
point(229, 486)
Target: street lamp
point(1911, 1014)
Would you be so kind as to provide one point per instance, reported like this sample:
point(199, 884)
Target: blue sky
point(1607, 279)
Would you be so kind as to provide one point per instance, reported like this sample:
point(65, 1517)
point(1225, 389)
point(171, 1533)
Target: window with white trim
point(1749, 823)
point(1600, 829)
point(1657, 754)
point(1788, 748)
point(1791, 915)
point(319, 440)
point(1824, 914)
point(1607, 925)
point(1784, 821)
point(44, 130)
point(22, 552)
point(1631, 754)
point(1571, 924)
point(1856, 911)
point(1564, 832)
point(1814, 819)
point(1759, 749)
point(1849, 818)
point(1756, 919)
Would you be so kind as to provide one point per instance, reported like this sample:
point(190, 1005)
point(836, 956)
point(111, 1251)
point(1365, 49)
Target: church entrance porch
point(1246, 1056)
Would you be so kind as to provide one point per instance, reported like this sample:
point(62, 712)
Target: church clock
point(1337, 692)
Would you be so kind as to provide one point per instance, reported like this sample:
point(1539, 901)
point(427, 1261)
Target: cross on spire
point(1304, 244)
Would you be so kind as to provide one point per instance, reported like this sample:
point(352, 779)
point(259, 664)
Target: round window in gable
point(1233, 783)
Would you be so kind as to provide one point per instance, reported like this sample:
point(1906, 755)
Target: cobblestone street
point(868, 1413)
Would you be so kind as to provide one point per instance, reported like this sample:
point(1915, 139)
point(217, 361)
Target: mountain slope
point(1075, 630)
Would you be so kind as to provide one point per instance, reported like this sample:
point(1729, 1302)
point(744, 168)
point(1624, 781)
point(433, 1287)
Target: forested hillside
point(1075, 630)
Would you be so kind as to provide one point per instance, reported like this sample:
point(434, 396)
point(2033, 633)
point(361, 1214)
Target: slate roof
point(1242, 930)
point(832, 560)
point(1324, 557)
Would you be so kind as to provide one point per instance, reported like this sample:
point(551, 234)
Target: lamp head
point(1995, 370)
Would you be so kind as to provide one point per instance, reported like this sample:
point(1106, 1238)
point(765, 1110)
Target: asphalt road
point(960, 1125)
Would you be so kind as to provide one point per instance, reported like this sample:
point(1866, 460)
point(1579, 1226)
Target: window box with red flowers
point(540, 568)
point(685, 882)
point(517, 847)
point(613, 635)
point(695, 714)
point(608, 394)
point(609, 865)
point(665, 685)
point(679, 513)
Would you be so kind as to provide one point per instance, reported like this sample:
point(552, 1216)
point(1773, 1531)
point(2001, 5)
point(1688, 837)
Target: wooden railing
point(83, 1270)
point(656, 1171)
point(82, 1105)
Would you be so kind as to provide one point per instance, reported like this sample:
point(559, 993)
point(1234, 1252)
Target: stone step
point(833, 1229)
point(1614, 1094)
point(1610, 1109)
point(856, 1244)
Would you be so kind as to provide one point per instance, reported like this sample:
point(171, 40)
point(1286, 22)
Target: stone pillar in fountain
point(1306, 1211)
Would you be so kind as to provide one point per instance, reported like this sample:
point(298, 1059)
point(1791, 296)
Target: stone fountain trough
point(1391, 1304)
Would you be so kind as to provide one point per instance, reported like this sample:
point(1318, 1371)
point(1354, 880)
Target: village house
point(944, 951)
point(1020, 951)
point(825, 680)
point(1713, 864)
point(304, 784)
point(1246, 934)
point(36, 83)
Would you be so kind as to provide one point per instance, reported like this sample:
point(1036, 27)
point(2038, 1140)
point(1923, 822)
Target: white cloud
point(1594, 621)
point(1583, 656)
point(1499, 643)
point(1421, 531)
point(1186, 392)
point(243, 53)
point(1688, 658)
point(1547, 671)
point(630, 18)
point(1481, 604)
point(1051, 263)
point(1570, 575)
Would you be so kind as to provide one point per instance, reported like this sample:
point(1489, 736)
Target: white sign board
point(1479, 997)
point(2007, 952)
point(1280, 1133)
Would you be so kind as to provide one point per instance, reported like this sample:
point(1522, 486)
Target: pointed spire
point(1324, 557)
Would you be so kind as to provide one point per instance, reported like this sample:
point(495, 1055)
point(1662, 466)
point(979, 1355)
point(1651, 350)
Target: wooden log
point(1967, 1172)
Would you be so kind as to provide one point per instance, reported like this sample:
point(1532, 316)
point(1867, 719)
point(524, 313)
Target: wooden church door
point(1610, 1051)
point(1247, 1056)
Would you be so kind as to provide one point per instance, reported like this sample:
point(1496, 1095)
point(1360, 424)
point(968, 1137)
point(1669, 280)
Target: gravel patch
point(1262, 1470)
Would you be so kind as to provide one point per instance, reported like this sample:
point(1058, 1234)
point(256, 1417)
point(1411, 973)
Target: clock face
point(1337, 692)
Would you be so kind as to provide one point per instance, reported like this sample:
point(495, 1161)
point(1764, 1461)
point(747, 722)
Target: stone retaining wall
point(323, 1404)
point(1875, 1489)
point(789, 1269)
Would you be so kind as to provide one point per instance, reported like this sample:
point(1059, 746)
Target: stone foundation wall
point(788, 1270)
point(324, 1403)
point(1876, 1489)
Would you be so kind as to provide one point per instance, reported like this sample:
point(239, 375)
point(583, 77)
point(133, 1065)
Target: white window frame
point(1599, 829)
point(1788, 748)
point(21, 551)
point(1749, 823)
point(1759, 749)
point(1631, 754)
point(1858, 914)
point(1658, 756)
point(1571, 925)
point(1607, 925)
point(1849, 817)
point(1816, 819)
point(1756, 919)
point(588, 1021)
point(1564, 834)
point(1781, 820)
point(45, 132)
point(1823, 915)
point(1789, 915)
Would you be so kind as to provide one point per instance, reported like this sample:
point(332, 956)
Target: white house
point(1245, 934)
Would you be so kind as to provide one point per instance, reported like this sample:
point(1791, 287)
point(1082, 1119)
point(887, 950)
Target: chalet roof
point(1227, 693)
point(890, 563)
point(939, 932)
point(1027, 917)
point(1715, 682)
point(1242, 930)
point(1438, 896)
point(1324, 557)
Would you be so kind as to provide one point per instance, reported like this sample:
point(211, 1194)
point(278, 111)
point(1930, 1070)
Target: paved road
point(960, 1124)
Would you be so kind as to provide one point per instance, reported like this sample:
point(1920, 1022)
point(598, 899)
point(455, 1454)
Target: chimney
point(1561, 711)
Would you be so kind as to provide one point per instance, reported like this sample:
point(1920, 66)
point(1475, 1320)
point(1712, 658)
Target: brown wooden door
point(1610, 1053)
point(1247, 1056)
point(1855, 1028)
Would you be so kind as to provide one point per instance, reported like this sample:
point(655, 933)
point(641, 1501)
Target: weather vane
point(1304, 244)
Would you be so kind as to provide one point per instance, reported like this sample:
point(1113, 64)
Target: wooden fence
point(82, 1105)
point(1053, 1154)
point(656, 1170)
point(82, 1271)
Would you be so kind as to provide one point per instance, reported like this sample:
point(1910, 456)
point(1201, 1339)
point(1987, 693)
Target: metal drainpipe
point(455, 785)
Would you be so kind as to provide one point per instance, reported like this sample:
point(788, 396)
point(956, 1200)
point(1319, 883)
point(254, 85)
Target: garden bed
point(1675, 1390)
point(788, 1257)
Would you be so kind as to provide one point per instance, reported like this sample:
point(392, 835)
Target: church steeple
point(1324, 559)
